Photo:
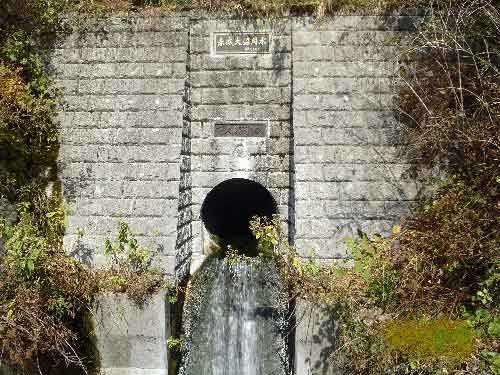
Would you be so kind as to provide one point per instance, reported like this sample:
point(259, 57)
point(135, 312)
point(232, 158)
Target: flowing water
point(234, 320)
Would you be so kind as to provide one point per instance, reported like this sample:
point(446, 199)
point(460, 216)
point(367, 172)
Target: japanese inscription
point(241, 43)
point(248, 129)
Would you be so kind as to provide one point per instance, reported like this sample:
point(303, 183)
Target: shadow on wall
point(317, 349)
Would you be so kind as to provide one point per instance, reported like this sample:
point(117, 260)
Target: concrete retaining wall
point(121, 131)
point(131, 339)
point(143, 95)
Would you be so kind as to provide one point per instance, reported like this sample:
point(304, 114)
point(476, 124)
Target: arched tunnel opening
point(228, 209)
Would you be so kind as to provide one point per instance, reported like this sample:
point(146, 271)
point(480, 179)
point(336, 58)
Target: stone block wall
point(349, 169)
point(234, 90)
point(121, 131)
point(144, 93)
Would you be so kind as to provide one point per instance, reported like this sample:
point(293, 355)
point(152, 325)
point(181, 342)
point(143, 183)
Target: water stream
point(234, 320)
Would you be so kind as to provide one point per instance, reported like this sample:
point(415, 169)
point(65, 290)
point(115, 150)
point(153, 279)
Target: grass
point(431, 340)
point(257, 8)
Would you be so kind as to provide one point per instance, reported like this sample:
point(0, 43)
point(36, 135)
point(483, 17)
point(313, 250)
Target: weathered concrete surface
point(121, 130)
point(132, 339)
point(316, 341)
point(143, 95)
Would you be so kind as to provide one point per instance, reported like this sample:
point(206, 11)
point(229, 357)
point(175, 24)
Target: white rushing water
point(234, 325)
point(231, 334)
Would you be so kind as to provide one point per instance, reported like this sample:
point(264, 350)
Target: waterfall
point(235, 320)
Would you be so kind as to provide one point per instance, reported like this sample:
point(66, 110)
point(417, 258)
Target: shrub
point(130, 268)
point(42, 292)
point(401, 307)
point(45, 293)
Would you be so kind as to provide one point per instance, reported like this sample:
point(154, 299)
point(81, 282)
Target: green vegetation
point(44, 293)
point(130, 268)
point(384, 326)
point(438, 339)
point(426, 300)
point(436, 278)
point(174, 343)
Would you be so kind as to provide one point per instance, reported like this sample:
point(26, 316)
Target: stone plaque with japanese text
point(248, 129)
point(241, 43)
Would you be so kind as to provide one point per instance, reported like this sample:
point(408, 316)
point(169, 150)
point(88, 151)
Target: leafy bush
point(450, 106)
point(401, 308)
point(28, 137)
point(130, 268)
point(42, 292)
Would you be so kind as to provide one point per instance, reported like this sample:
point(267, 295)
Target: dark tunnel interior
point(229, 207)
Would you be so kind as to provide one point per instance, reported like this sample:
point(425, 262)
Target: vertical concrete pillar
point(316, 340)
point(132, 339)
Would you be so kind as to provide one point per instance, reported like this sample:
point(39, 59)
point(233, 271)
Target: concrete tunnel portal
point(228, 209)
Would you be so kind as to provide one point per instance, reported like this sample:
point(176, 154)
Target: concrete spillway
point(235, 320)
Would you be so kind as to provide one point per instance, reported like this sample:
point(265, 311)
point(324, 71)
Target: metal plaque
point(247, 129)
point(241, 43)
